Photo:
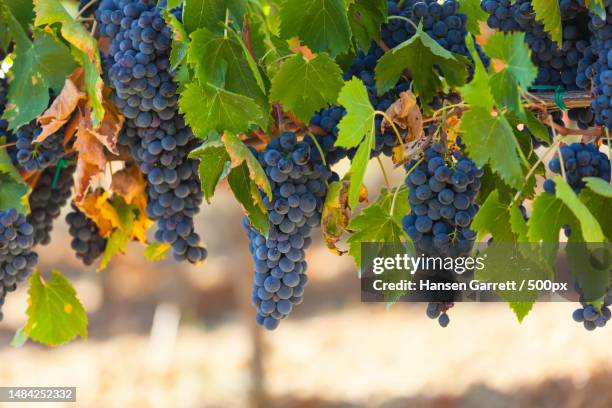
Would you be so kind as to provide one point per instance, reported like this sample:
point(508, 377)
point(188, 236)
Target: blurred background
point(167, 334)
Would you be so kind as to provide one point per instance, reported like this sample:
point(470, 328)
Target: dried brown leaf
point(130, 184)
point(100, 210)
point(336, 213)
point(406, 114)
point(85, 172)
point(62, 107)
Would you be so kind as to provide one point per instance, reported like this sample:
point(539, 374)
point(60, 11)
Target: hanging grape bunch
point(299, 184)
point(580, 160)
point(156, 134)
point(442, 194)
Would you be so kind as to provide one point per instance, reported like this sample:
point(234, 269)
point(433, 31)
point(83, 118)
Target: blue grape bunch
point(17, 259)
point(592, 317)
point(442, 202)
point(441, 21)
point(47, 200)
point(442, 193)
point(565, 66)
point(600, 69)
point(579, 160)
point(86, 240)
point(299, 182)
point(157, 136)
point(326, 123)
point(33, 156)
point(438, 311)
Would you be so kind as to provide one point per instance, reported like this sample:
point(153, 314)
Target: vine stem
point(559, 153)
point(399, 187)
point(94, 25)
point(443, 109)
point(397, 133)
point(535, 166)
point(405, 19)
point(226, 23)
point(314, 140)
point(279, 59)
point(384, 172)
point(88, 5)
point(8, 145)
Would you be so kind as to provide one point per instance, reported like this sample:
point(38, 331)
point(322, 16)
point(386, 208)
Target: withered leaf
point(406, 114)
point(336, 213)
point(62, 107)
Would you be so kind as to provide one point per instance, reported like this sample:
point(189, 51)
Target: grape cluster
point(565, 66)
point(47, 200)
point(158, 138)
point(438, 311)
point(442, 207)
point(17, 259)
point(326, 123)
point(592, 317)
point(579, 160)
point(299, 183)
point(601, 69)
point(33, 156)
point(441, 21)
point(86, 239)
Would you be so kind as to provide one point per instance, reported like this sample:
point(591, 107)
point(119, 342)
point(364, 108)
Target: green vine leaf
point(322, 24)
point(248, 195)
point(490, 139)
point(214, 163)
point(596, 7)
point(513, 52)
point(14, 192)
point(548, 216)
point(16, 16)
point(599, 204)
point(599, 186)
point(208, 108)
point(221, 61)
point(356, 128)
point(365, 18)
point(425, 58)
point(240, 153)
point(475, 14)
point(170, 4)
point(477, 92)
point(591, 230)
point(359, 119)
point(84, 48)
point(55, 314)
point(304, 87)
point(521, 309)
point(41, 65)
point(548, 13)
point(494, 218)
point(210, 14)
point(180, 39)
point(374, 224)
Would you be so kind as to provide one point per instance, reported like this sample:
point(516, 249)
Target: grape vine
point(138, 111)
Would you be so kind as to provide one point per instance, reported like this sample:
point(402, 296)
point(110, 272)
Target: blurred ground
point(332, 352)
